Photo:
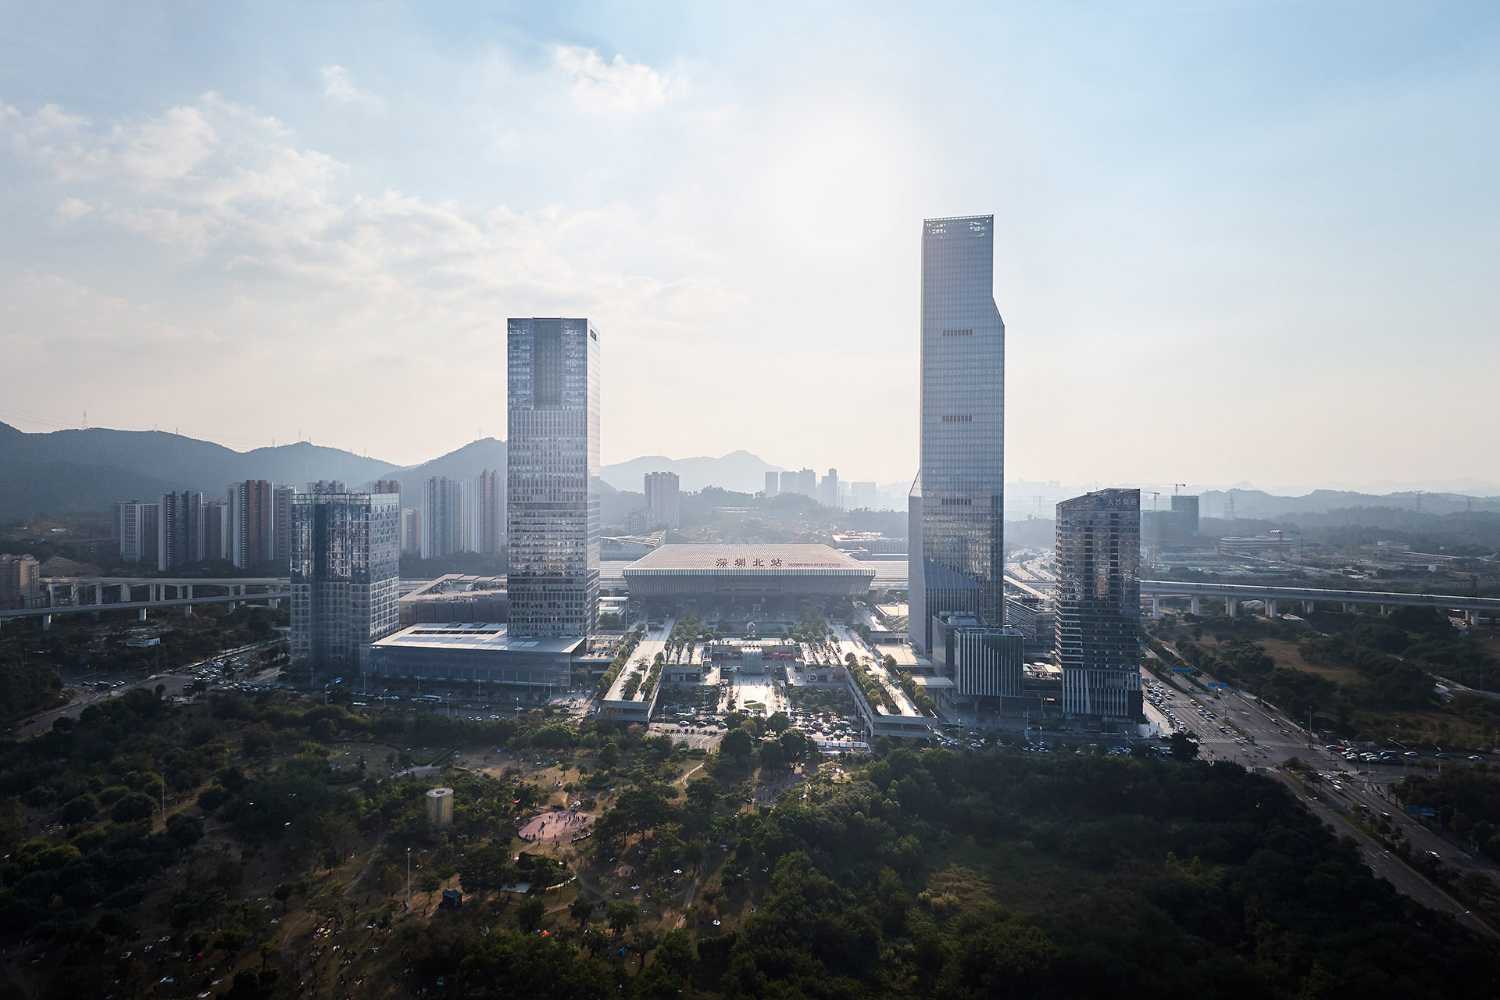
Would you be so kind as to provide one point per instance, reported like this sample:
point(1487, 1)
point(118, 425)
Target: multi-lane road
point(1237, 727)
point(172, 682)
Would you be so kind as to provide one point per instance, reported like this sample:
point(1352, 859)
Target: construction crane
point(1175, 487)
point(1155, 495)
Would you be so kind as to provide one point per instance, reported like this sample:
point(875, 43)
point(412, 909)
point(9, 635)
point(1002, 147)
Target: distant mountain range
point(1266, 506)
point(78, 471)
point(739, 471)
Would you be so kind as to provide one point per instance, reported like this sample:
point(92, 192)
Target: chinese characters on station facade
point(742, 563)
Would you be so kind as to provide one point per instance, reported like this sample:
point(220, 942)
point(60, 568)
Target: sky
point(1236, 242)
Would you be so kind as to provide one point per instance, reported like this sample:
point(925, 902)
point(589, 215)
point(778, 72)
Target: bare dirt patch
point(1287, 654)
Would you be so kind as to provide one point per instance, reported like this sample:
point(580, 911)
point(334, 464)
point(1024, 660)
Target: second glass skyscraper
point(957, 552)
point(553, 478)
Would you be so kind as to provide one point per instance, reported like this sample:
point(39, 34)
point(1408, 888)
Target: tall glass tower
point(1099, 603)
point(552, 486)
point(345, 554)
point(956, 509)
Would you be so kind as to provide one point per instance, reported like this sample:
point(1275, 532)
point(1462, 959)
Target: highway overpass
point(94, 594)
point(1273, 598)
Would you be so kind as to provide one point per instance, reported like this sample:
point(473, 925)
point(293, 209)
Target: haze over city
point(737, 500)
point(1240, 245)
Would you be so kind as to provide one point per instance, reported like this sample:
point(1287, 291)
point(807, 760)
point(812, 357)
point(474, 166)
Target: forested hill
point(912, 873)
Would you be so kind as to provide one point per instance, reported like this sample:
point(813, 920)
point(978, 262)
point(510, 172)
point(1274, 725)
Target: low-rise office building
point(472, 653)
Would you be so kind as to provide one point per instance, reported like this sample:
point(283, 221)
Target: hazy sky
point(1236, 242)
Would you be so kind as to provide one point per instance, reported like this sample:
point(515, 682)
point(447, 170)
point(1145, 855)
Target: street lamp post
point(408, 878)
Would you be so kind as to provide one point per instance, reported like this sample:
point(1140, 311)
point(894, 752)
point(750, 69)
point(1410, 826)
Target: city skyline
point(1179, 192)
point(1081, 500)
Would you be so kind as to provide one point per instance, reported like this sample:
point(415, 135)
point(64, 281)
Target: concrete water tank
point(440, 806)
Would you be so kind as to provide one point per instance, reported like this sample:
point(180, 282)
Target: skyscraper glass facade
point(1099, 603)
point(552, 483)
point(956, 513)
point(345, 569)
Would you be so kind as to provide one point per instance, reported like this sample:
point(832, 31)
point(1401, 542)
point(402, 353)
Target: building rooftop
point(455, 583)
point(756, 558)
point(473, 635)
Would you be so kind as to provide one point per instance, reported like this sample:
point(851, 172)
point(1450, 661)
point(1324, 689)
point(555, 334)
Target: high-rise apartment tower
point(490, 494)
point(138, 526)
point(442, 518)
point(663, 500)
point(181, 540)
point(828, 489)
point(252, 521)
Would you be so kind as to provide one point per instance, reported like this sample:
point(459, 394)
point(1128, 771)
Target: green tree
point(737, 745)
point(529, 914)
point(622, 916)
point(581, 909)
point(1183, 746)
point(772, 757)
point(132, 807)
point(645, 940)
point(795, 745)
point(79, 810)
point(486, 869)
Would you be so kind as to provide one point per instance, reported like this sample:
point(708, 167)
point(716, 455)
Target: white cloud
point(168, 147)
point(275, 249)
point(616, 86)
point(339, 88)
point(72, 209)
